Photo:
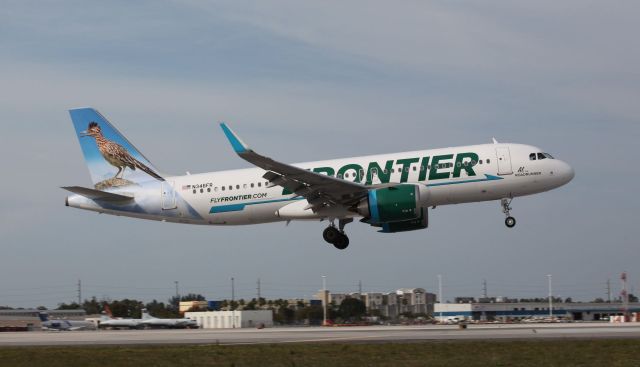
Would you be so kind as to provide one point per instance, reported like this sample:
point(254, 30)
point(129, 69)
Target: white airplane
point(149, 321)
point(390, 191)
point(107, 321)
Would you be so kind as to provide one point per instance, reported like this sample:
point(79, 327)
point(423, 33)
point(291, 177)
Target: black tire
point(510, 222)
point(342, 242)
point(330, 234)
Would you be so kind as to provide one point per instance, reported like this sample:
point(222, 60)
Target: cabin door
point(504, 161)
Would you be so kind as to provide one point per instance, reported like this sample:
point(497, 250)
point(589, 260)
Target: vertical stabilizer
point(107, 310)
point(112, 160)
point(145, 315)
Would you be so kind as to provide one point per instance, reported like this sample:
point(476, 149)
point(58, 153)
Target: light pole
point(550, 297)
point(440, 294)
point(233, 299)
point(177, 296)
point(324, 300)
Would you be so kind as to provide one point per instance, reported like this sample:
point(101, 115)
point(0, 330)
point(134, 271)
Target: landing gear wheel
point(510, 222)
point(331, 234)
point(342, 242)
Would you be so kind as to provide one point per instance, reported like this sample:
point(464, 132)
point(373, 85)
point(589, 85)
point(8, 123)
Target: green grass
point(622, 352)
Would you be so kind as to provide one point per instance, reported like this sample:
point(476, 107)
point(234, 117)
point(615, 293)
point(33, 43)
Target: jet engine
point(398, 208)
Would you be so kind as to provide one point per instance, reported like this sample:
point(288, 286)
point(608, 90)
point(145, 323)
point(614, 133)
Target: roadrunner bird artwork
point(115, 153)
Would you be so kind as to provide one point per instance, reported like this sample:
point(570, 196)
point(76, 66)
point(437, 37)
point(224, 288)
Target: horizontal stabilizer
point(97, 194)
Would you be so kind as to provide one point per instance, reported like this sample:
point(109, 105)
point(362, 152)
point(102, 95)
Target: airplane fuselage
point(451, 176)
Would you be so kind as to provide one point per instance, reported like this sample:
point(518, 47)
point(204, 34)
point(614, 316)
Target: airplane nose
point(566, 172)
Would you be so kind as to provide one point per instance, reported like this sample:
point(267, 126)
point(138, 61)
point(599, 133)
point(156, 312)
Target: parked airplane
point(107, 321)
point(390, 191)
point(63, 325)
point(149, 321)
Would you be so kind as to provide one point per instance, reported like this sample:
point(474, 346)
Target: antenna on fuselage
point(494, 141)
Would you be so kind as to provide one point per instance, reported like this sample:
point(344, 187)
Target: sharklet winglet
point(238, 145)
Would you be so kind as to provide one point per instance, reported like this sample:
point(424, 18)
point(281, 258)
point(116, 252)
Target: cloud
point(308, 81)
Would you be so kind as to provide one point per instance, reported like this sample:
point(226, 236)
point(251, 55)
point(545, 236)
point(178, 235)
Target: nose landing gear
point(510, 221)
point(336, 236)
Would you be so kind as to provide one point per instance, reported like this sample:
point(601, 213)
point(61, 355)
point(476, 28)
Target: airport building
point(576, 311)
point(231, 319)
point(185, 306)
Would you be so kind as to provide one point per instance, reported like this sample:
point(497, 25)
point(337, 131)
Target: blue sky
point(311, 81)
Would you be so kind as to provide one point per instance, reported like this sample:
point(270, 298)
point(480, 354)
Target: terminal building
point(514, 311)
point(232, 319)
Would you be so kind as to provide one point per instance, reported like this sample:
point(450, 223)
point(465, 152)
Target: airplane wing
point(319, 190)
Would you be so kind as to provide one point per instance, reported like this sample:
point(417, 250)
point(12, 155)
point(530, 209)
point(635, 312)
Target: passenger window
point(406, 169)
point(541, 156)
point(473, 162)
point(201, 191)
point(414, 168)
point(361, 172)
point(208, 189)
point(244, 186)
point(259, 184)
point(222, 187)
point(374, 171)
point(488, 161)
point(215, 189)
point(252, 185)
point(386, 171)
point(532, 156)
point(480, 161)
point(458, 164)
point(194, 191)
point(230, 187)
point(238, 187)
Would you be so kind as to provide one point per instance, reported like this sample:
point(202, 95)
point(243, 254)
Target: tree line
point(350, 310)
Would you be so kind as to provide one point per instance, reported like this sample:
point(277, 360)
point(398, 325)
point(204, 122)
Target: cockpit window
point(540, 156)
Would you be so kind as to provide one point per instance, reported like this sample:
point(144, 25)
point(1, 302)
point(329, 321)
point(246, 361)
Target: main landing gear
point(336, 236)
point(506, 209)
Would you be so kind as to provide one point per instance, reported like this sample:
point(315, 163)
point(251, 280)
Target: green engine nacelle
point(395, 204)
